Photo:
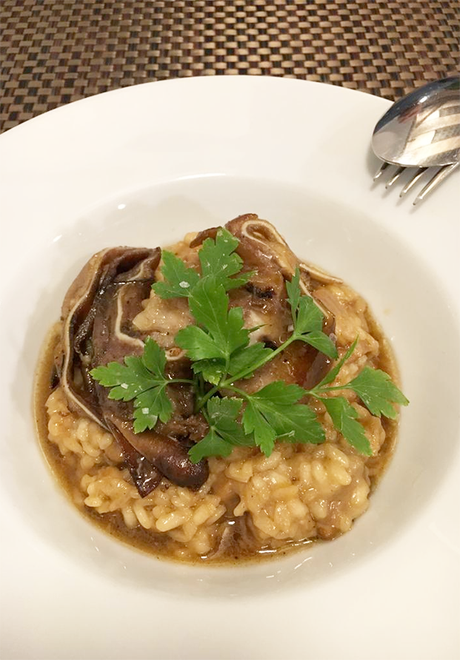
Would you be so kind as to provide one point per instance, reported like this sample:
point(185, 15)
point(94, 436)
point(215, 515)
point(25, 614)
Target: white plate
point(142, 166)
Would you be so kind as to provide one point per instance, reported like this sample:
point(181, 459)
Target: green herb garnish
point(217, 258)
point(225, 432)
point(274, 413)
point(221, 355)
point(142, 379)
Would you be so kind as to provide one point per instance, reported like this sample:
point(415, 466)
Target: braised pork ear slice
point(84, 302)
point(262, 247)
point(97, 316)
point(265, 251)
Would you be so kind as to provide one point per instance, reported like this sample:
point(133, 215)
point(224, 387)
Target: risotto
point(246, 504)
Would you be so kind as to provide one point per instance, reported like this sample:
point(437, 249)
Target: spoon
point(423, 128)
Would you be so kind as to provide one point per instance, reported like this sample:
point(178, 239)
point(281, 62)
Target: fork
point(439, 174)
point(421, 132)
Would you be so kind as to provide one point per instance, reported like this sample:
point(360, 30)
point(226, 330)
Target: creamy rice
point(298, 494)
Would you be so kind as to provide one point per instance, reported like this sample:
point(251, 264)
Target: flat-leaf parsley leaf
point(142, 379)
point(179, 280)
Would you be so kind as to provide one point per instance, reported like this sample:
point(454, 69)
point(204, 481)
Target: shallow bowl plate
point(142, 166)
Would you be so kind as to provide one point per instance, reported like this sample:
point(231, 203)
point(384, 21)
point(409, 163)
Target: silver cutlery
point(421, 134)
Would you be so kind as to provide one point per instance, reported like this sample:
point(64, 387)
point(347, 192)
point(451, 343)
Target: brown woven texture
point(56, 52)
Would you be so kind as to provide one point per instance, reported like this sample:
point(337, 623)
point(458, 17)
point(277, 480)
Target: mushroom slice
point(203, 235)
point(167, 454)
point(145, 476)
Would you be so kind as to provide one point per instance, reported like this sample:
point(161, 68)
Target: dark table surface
point(57, 52)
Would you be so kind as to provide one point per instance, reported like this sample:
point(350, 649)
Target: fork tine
point(395, 176)
point(381, 170)
point(419, 173)
point(435, 181)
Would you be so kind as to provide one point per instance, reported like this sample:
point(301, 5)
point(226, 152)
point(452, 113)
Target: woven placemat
point(57, 52)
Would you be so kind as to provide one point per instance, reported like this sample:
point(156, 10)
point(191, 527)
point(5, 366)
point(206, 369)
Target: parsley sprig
point(221, 355)
point(143, 380)
point(218, 259)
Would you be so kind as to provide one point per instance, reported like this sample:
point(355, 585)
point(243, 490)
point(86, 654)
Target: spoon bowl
point(423, 128)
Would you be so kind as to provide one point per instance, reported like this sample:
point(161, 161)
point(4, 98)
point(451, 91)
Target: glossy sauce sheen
point(243, 547)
